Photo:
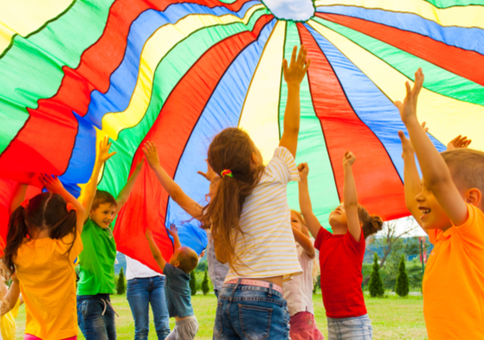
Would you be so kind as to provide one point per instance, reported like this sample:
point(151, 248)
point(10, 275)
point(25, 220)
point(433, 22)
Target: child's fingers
point(302, 55)
point(293, 56)
point(284, 66)
point(398, 104)
point(307, 65)
point(409, 89)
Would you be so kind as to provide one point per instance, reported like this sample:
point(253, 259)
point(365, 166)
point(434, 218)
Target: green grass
point(392, 317)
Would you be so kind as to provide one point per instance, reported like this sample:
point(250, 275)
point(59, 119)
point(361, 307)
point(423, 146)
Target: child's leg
point(185, 329)
point(90, 315)
point(357, 328)
point(138, 295)
point(159, 307)
point(109, 320)
point(303, 326)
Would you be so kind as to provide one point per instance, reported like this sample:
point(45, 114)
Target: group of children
point(260, 253)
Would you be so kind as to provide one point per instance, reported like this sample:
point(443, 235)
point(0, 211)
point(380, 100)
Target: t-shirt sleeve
point(169, 270)
point(358, 247)
point(282, 166)
point(323, 235)
point(67, 241)
point(472, 230)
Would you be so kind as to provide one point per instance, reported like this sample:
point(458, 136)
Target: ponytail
point(371, 224)
point(17, 231)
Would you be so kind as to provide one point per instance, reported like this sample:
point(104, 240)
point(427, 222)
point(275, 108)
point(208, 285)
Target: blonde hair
point(305, 231)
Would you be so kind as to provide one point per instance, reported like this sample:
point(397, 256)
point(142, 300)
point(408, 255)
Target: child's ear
point(474, 197)
point(177, 264)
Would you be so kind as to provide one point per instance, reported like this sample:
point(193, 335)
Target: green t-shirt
point(96, 261)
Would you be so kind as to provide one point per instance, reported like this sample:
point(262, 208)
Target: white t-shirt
point(135, 269)
point(267, 247)
point(298, 290)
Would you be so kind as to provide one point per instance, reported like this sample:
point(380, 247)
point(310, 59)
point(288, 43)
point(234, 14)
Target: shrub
point(121, 284)
point(375, 285)
point(402, 286)
point(193, 282)
point(205, 287)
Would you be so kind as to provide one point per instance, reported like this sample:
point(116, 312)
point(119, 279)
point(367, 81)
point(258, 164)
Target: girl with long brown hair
point(250, 223)
point(42, 243)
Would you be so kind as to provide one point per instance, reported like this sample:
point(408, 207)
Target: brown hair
point(101, 198)
point(466, 167)
point(188, 259)
point(44, 211)
point(301, 219)
point(371, 224)
point(230, 150)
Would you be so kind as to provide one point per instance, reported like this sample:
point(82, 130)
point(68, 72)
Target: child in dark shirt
point(178, 294)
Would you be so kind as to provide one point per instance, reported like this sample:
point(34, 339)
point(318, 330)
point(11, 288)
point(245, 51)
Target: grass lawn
point(392, 317)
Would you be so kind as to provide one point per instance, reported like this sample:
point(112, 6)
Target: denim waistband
point(251, 288)
point(93, 297)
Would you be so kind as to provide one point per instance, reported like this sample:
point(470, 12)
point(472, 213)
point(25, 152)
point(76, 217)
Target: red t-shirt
point(341, 259)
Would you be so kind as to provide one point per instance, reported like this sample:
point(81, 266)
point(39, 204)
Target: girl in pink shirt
point(341, 257)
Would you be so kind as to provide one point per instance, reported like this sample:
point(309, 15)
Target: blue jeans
point(250, 313)
point(216, 292)
point(141, 293)
point(357, 328)
point(95, 317)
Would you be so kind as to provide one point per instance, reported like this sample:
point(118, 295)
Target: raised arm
point(294, 74)
point(54, 185)
point(174, 233)
point(90, 190)
point(176, 193)
point(436, 174)
point(411, 178)
point(155, 251)
point(18, 197)
point(351, 197)
point(10, 299)
point(126, 191)
point(305, 242)
point(305, 201)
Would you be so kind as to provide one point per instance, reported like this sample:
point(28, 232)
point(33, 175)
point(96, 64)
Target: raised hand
point(173, 230)
point(148, 234)
point(408, 109)
point(407, 148)
point(458, 142)
point(295, 72)
point(210, 174)
point(104, 154)
point(303, 169)
point(151, 154)
point(51, 183)
point(348, 159)
point(139, 165)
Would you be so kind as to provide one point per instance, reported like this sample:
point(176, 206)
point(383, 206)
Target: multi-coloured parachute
point(177, 72)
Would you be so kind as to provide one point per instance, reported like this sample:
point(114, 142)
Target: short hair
point(188, 259)
point(101, 198)
point(466, 168)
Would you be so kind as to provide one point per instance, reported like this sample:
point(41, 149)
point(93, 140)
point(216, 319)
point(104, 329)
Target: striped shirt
point(267, 247)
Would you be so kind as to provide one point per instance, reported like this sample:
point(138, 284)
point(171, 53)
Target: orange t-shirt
point(453, 284)
point(48, 285)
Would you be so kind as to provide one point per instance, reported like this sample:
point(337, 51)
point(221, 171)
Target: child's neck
point(38, 234)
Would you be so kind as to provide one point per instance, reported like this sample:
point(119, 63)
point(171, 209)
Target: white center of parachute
point(298, 10)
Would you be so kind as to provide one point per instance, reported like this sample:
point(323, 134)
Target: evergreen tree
point(121, 285)
point(402, 285)
point(205, 287)
point(376, 284)
point(193, 283)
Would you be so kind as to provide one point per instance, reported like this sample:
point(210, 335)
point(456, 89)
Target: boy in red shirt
point(448, 205)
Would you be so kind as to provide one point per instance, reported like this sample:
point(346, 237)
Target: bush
point(193, 283)
point(205, 287)
point(121, 284)
point(402, 286)
point(375, 285)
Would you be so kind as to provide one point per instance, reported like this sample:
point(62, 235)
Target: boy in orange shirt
point(448, 205)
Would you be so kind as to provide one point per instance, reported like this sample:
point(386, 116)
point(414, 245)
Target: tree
point(376, 284)
point(121, 286)
point(402, 286)
point(193, 282)
point(205, 287)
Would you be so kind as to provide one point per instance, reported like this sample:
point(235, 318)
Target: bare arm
point(351, 197)
point(126, 191)
point(155, 250)
point(305, 201)
point(174, 233)
point(176, 193)
point(18, 197)
point(294, 74)
point(305, 242)
point(91, 187)
point(54, 185)
point(10, 299)
point(436, 174)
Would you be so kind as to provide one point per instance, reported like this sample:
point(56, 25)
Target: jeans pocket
point(84, 308)
point(218, 328)
point(255, 321)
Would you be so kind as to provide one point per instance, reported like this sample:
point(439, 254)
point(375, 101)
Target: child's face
point(295, 222)
point(433, 215)
point(337, 219)
point(104, 215)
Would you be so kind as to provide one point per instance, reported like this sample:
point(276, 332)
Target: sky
point(291, 9)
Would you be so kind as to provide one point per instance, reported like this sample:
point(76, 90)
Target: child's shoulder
point(282, 166)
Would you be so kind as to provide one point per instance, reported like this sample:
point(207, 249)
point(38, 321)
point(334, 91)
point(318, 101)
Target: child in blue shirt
point(178, 293)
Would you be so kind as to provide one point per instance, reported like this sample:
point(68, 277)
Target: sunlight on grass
point(393, 318)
